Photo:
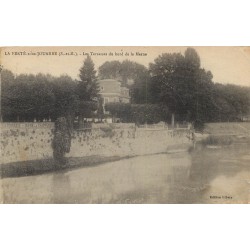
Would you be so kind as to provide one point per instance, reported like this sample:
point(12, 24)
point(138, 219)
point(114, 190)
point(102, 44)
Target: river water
point(206, 175)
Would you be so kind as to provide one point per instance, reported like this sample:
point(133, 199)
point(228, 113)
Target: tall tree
point(180, 84)
point(66, 99)
point(167, 81)
point(110, 70)
point(7, 81)
point(192, 59)
point(88, 89)
point(28, 97)
point(231, 102)
point(126, 71)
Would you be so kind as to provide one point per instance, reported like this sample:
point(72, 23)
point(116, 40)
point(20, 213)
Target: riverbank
point(37, 167)
point(43, 166)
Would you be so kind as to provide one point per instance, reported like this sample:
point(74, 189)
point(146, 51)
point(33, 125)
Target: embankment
point(32, 141)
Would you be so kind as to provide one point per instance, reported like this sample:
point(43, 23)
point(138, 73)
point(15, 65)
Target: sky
point(227, 64)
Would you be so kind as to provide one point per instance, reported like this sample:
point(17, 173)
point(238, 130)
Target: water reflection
point(197, 177)
point(60, 188)
point(145, 179)
point(224, 174)
point(202, 176)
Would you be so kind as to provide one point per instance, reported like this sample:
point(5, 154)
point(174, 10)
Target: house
point(112, 91)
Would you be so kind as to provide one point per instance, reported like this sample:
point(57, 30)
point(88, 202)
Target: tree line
point(176, 85)
point(29, 97)
point(173, 85)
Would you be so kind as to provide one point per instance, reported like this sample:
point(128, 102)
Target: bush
point(108, 132)
point(137, 113)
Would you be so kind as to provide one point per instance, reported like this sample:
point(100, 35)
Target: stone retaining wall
point(28, 142)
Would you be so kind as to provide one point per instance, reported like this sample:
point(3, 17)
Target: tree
point(126, 71)
point(100, 109)
point(7, 78)
point(137, 113)
point(168, 81)
point(110, 70)
point(140, 90)
point(88, 89)
point(231, 102)
point(119, 110)
point(29, 97)
point(66, 99)
point(7, 81)
point(61, 142)
point(192, 59)
point(42, 100)
point(147, 113)
point(179, 83)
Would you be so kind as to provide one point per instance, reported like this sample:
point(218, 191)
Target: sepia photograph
point(125, 125)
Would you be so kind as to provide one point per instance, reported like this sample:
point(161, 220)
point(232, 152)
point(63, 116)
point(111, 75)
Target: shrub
point(137, 113)
point(108, 132)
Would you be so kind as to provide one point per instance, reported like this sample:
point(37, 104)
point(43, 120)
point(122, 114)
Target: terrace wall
point(32, 141)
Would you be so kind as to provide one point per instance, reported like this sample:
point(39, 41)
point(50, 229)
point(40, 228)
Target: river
point(215, 175)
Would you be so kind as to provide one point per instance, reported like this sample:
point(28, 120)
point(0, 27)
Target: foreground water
point(210, 175)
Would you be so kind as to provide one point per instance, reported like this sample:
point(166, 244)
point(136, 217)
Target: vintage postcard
point(125, 125)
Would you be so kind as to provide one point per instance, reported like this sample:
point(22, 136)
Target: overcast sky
point(228, 64)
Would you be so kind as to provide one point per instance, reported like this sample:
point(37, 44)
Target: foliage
point(179, 83)
point(88, 88)
point(66, 100)
point(148, 113)
point(86, 108)
point(107, 132)
point(124, 71)
point(100, 110)
point(173, 84)
point(62, 140)
point(38, 97)
point(137, 113)
point(231, 102)
point(110, 70)
point(119, 110)
point(29, 97)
